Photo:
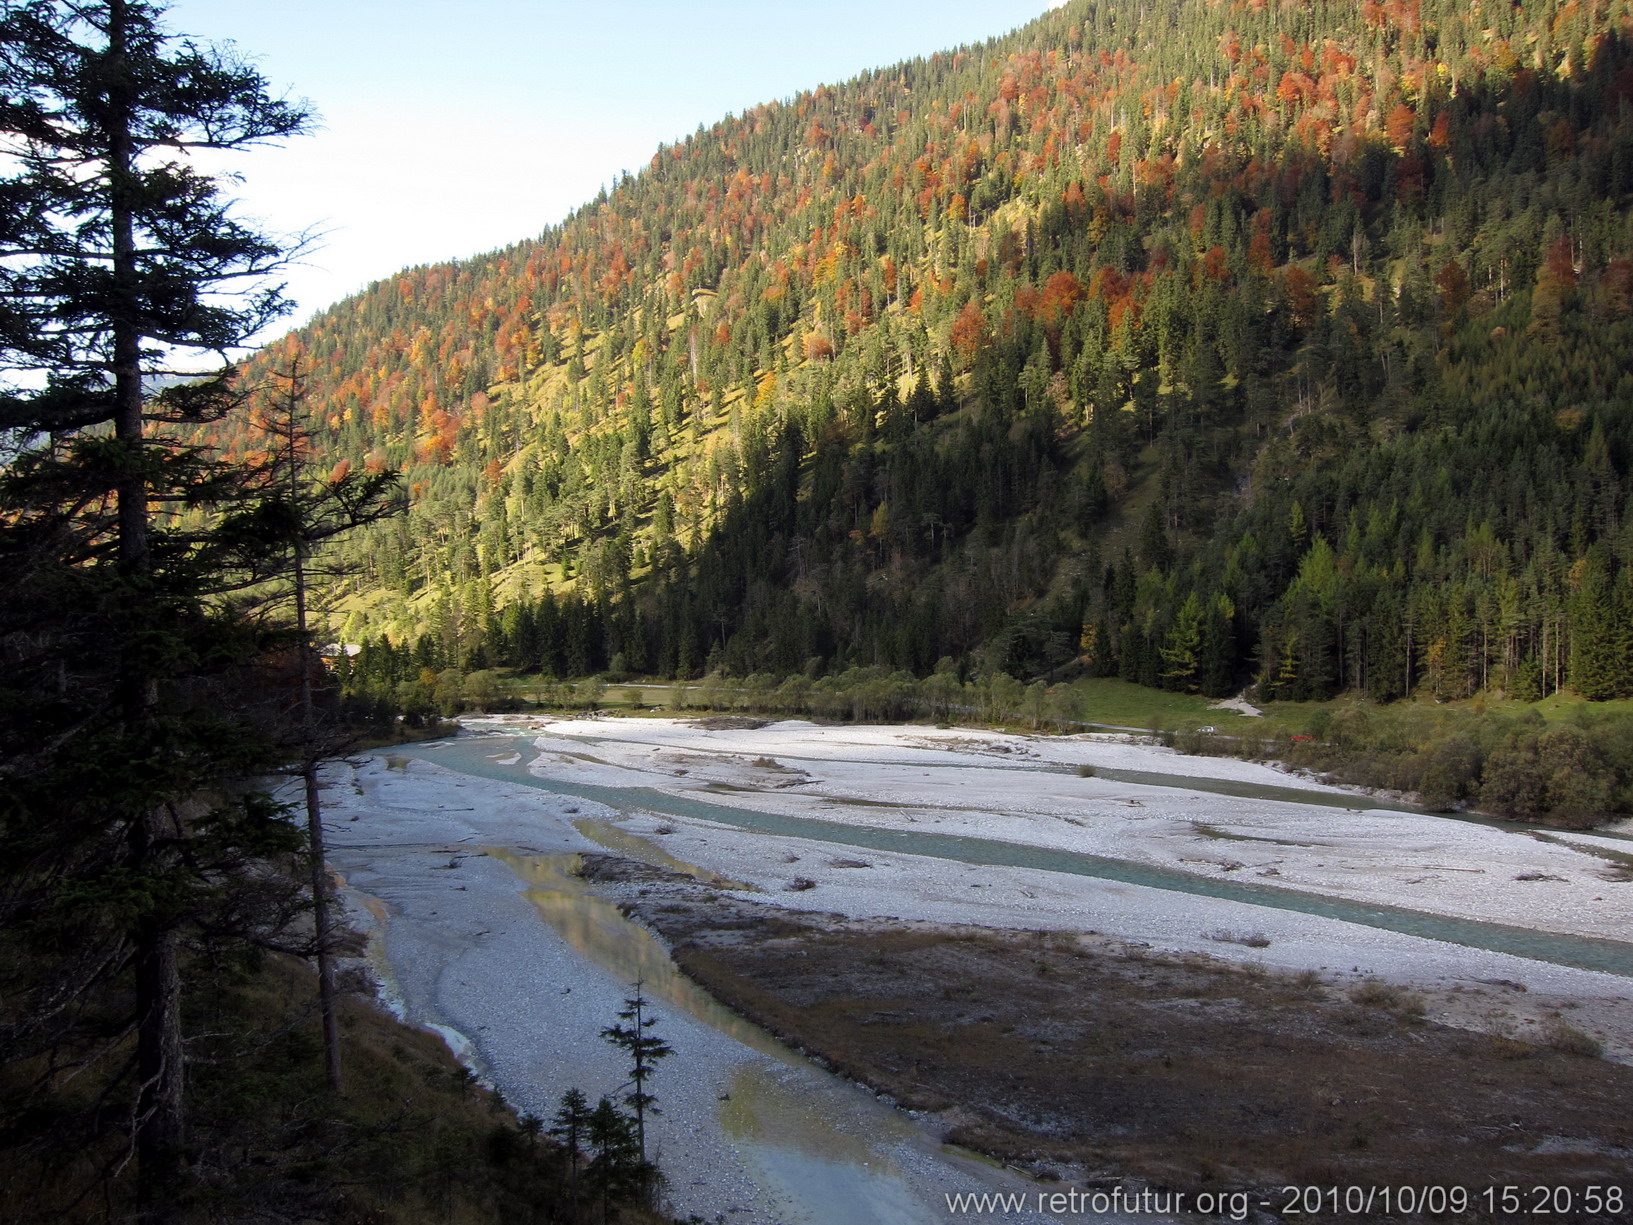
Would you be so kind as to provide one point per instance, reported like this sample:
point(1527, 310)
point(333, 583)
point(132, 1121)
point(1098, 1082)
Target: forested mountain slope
point(1189, 342)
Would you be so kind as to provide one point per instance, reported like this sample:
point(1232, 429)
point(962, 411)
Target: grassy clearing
point(1108, 700)
point(1096, 700)
point(1567, 706)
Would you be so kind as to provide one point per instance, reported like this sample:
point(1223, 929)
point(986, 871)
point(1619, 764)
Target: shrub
point(1391, 997)
point(1447, 771)
point(1512, 784)
point(1252, 940)
point(1578, 780)
point(1562, 1036)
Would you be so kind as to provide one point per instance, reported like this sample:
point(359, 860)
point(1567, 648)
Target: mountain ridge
point(1236, 342)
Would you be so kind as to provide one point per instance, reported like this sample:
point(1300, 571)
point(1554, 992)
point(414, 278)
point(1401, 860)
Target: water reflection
point(1584, 952)
point(595, 928)
point(820, 1148)
point(633, 847)
point(784, 1128)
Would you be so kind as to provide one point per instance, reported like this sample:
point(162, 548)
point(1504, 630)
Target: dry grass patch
point(1376, 993)
point(1100, 1058)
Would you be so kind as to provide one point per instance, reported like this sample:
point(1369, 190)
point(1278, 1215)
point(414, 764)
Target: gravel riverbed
point(445, 871)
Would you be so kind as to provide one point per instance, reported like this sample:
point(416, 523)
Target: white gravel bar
point(1027, 789)
point(478, 932)
point(452, 875)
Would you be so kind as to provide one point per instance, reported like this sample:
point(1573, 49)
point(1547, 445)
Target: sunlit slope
point(1187, 343)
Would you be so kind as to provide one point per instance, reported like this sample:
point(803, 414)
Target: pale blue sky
point(449, 129)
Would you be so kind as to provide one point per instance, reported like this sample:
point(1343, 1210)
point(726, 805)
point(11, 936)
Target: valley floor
point(1027, 790)
point(1097, 957)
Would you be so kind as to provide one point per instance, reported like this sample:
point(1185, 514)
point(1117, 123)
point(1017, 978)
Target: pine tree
point(570, 1126)
point(1218, 650)
point(307, 511)
point(644, 1051)
point(616, 1167)
point(1156, 553)
point(117, 252)
point(1181, 650)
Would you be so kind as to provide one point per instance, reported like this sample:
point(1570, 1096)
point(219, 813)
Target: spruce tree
point(120, 259)
point(305, 510)
point(570, 1126)
point(645, 1051)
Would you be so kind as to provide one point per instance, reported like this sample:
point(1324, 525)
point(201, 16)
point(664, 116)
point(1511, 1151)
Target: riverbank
point(478, 930)
point(821, 874)
point(1100, 1062)
point(1215, 819)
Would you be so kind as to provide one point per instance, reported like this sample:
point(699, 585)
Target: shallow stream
point(829, 1150)
point(751, 1131)
point(479, 755)
point(758, 1133)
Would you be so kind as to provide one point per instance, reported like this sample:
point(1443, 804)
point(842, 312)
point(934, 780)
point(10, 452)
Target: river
point(481, 931)
point(507, 759)
point(464, 857)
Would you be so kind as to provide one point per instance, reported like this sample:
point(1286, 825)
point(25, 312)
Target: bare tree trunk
point(160, 1108)
point(321, 924)
point(309, 765)
point(314, 832)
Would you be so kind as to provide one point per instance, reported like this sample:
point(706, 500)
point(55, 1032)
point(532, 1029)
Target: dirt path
point(1093, 1060)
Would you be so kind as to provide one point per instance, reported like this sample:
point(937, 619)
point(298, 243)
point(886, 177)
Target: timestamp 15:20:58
point(1512, 1201)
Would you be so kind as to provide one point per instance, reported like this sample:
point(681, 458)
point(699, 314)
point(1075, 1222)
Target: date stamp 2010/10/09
point(1292, 1202)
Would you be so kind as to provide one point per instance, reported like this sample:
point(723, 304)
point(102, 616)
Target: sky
point(448, 129)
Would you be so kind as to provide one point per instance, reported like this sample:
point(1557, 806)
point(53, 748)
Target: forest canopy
point(1219, 344)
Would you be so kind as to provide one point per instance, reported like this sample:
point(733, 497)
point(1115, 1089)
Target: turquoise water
point(1254, 791)
point(1145, 778)
point(475, 756)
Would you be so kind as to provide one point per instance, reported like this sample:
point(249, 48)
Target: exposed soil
point(1094, 1060)
point(730, 723)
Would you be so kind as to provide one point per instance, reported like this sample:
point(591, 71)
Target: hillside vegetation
point(1188, 344)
